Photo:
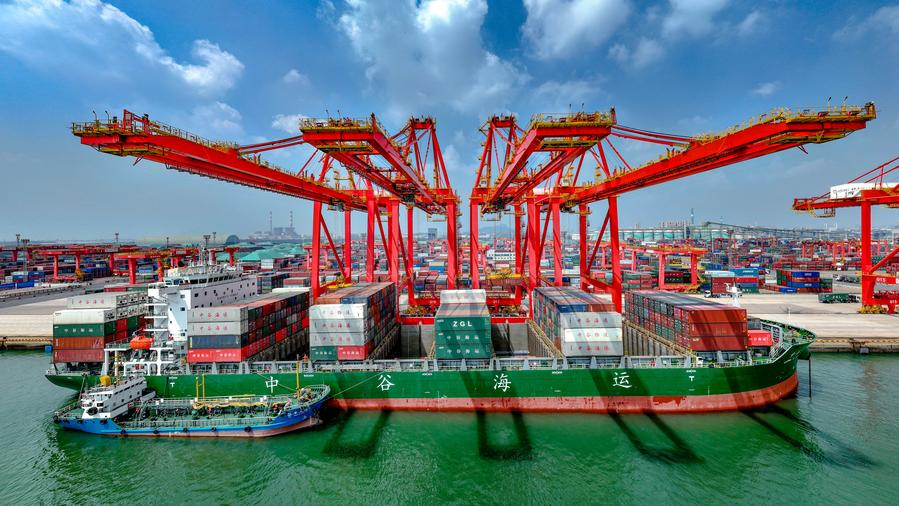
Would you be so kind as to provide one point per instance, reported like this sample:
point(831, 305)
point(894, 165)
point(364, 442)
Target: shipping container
point(78, 356)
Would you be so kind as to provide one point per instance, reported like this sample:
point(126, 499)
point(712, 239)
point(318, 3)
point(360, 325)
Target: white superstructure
point(187, 288)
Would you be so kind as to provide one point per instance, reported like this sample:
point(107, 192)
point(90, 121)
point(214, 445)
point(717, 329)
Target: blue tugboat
point(128, 408)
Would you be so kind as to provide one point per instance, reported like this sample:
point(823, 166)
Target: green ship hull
point(601, 390)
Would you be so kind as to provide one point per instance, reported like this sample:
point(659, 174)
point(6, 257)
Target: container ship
point(666, 353)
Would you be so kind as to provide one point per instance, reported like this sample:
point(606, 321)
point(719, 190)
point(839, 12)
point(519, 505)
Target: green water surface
point(839, 446)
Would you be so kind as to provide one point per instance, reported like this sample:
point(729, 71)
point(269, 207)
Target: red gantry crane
point(515, 187)
point(865, 191)
point(354, 143)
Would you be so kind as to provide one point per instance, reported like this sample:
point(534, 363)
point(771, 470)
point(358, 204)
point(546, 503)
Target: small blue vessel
point(128, 408)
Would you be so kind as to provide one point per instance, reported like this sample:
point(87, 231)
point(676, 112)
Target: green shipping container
point(133, 322)
point(461, 337)
point(465, 351)
point(453, 317)
point(323, 353)
point(84, 329)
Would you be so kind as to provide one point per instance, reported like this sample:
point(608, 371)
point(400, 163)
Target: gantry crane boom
point(777, 131)
point(355, 142)
point(563, 136)
point(140, 137)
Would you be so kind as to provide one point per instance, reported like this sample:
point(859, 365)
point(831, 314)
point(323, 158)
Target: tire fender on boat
point(247, 428)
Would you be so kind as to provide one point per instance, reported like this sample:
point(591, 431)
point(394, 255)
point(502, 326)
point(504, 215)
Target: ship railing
point(661, 361)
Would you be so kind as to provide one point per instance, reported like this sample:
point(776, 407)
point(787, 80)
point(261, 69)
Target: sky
point(246, 71)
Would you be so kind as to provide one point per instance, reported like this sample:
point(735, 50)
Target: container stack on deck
point(237, 332)
point(93, 321)
point(692, 323)
point(462, 325)
point(350, 323)
point(579, 323)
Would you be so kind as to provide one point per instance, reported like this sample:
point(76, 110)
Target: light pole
point(206, 249)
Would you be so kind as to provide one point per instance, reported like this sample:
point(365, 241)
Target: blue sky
point(244, 71)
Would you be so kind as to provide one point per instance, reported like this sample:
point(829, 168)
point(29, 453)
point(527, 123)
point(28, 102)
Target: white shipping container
point(217, 314)
point(108, 300)
point(338, 338)
point(339, 325)
point(70, 316)
point(600, 348)
point(336, 311)
point(217, 328)
point(463, 296)
point(589, 320)
point(590, 335)
point(291, 288)
point(720, 274)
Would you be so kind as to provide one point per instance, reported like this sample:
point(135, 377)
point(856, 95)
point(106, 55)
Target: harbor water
point(838, 446)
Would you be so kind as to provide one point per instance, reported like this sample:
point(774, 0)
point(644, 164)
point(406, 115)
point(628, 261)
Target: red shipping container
point(710, 314)
point(352, 352)
point(716, 329)
point(724, 343)
point(60, 356)
point(280, 335)
point(78, 343)
point(214, 355)
point(760, 338)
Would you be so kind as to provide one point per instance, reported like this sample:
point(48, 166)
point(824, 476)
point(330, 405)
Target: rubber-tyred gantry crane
point(776, 131)
point(353, 143)
point(865, 191)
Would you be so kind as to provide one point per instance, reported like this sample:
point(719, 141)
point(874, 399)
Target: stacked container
point(462, 325)
point(267, 281)
point(637, 280)
point(746, 279)
point(790, 281)
point(578, 323)
point(692, 323)
point(93, 321)
point(720, 280)
point(350, 323)
point(237, 332)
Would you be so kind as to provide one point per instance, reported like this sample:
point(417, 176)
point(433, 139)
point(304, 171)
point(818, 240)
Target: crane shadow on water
point(679, 453)
point(340, 445)
point(843, 455)
point(520, 449)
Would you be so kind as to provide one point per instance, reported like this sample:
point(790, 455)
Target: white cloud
point(564, 28)
point(424, 55)
point(647, 51)
point(294, 76)
point(92, 38)
point(766, 89)
point(883, 19)
point(289, 123)
point(750, 23)
point(691, 17)
point(217, 120)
